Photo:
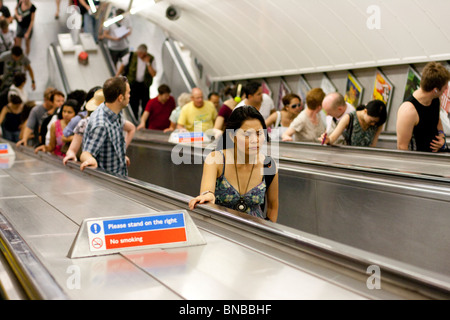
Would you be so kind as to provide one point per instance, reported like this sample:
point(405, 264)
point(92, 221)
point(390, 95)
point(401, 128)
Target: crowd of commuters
point(90, 126)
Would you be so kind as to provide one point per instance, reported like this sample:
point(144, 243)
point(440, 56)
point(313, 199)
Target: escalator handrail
point(107, 55)
point(143, 137)
point(35, 279)
point(60, 67)
point(189, 82)
point(353, 258)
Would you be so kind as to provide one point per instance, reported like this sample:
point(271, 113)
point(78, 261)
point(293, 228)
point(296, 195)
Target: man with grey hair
point(335, 106)
point(139, 68)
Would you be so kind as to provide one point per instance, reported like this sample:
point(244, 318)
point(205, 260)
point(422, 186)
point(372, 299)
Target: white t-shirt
point(305, 130)
point(6, 40)
point(123, 43)
point(266, 105)
point(13, 90)
point(331, 125)
point(445, 120)
point(141, 66)
point(277, 131)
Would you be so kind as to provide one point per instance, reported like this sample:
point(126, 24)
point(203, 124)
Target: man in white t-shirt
point(267, 106)
point(335, 106)
point(117, 35)
point(140, 68)
point(254, 95)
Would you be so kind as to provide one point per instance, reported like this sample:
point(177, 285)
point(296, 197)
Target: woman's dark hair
point(235, 121)
point(15, 99)
point(376, 109)
point(26, 110)
point(19, 78)
point(71, 103)
point(288, 98)
point(90, 94)
point(78, 95)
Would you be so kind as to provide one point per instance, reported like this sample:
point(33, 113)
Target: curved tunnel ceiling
point(243, 39)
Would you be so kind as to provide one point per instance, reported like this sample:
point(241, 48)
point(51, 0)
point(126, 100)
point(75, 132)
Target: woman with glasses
point(238, 175)
point(308, 126)
point(278, 122)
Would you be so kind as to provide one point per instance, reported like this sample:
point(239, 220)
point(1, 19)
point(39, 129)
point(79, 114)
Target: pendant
point(241, 206)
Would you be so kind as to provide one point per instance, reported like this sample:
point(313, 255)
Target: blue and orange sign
point(187, 137)
point(3, 148)
point(137, 231)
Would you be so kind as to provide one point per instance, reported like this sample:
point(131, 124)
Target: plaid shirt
point(105, 141)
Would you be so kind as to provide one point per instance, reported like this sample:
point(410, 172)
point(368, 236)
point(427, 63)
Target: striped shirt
point(105, 141)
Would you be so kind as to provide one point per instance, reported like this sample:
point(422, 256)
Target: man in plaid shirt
point(103, 140)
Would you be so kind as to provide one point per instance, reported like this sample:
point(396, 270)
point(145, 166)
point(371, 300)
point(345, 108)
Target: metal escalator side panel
point(35, 279)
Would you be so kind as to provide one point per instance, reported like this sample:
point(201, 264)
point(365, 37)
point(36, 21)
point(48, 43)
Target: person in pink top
point(69, 110)
point(158, 110)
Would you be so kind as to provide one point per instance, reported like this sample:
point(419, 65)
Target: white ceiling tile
point(233, 38)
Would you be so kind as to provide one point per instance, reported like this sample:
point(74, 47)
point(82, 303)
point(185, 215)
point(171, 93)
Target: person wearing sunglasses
point(308, 126)
point(279, 121)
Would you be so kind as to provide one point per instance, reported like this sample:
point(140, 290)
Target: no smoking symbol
point(97, 243)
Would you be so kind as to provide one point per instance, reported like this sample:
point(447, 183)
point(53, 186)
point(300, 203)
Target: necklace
point(241, 205)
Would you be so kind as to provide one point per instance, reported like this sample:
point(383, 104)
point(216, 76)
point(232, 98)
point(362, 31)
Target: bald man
point(335, 106)
point(198, 115)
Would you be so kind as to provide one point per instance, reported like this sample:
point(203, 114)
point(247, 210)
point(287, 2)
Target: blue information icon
point(95, 228)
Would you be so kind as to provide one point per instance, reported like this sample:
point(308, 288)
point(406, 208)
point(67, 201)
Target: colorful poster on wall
point(445, 110)
point(265, 88)
point(412, 83)
point(326, 85)
point(445, 100)
point(303, 88)
point(353, 91)
point(382, 89)
point(445, 106)
point(284, 90)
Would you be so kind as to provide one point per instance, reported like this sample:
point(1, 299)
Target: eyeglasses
point(297, 105)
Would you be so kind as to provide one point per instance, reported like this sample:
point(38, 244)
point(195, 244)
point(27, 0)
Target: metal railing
point(36, 281)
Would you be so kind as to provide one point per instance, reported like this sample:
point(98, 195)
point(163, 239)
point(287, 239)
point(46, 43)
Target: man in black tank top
point(418, 125)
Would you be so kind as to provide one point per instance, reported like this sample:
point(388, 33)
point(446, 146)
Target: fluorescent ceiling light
point(146, 3)
point(109, 22)
point(92, 6)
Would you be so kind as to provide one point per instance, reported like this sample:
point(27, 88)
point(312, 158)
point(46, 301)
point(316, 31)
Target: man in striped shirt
point(103, 140)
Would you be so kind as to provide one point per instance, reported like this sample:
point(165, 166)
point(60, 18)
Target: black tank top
point(426, 130)
point(12, 121)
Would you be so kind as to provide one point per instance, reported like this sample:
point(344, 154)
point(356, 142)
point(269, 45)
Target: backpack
point(348, 132)
point(268, 177)
point(269, 174)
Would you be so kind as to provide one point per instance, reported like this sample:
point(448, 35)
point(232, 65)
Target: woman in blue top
point(235, 176)
point(361, 127)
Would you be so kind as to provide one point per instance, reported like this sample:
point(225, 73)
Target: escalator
point(387, 202)
point(43, 203)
